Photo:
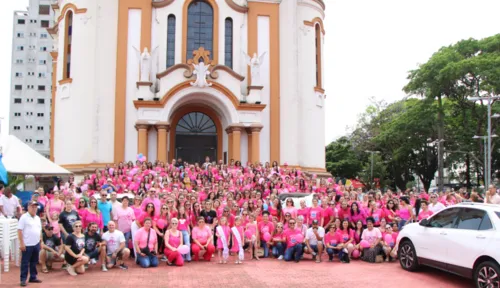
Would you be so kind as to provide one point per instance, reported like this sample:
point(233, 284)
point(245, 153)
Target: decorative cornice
point(254, 88)
point(236, 7)
point(161, 3)
point(235, 127)
point(162, 126)
point(144, 83)
point(314, 21)
point(66, 8)
point(255, 127)
point(55, 6)
point(321, 3)
point(142, 125)
point(319, 90)
point(53, 31)
point(65, 81)
point(188, 73)
point(215, 75)
point(187, 84)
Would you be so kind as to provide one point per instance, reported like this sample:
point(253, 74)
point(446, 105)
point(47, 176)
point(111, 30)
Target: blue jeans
point(401, 224)
point(147, 261)
point(29, 260)
point(185, 240)
point(294, 253)
point(263, 244)
point(331, 252)
point(278, 250)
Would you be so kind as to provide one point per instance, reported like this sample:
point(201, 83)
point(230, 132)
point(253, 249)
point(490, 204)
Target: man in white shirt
point(492, 196)
point(115, 246)
point(435, 206)
point(29, 233)
point(9, 204)
point(114, 203)
point(314, 241)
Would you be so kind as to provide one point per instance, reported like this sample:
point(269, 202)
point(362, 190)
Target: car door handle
point(480, 237)
point(443, 233)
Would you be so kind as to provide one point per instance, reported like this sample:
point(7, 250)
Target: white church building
point(228, 79)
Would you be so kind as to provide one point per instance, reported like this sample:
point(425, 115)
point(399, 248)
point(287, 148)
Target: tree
point(14, 181)
point(341, 160)
point(379, 172)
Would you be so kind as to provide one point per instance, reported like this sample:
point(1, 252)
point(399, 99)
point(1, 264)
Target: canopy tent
point(19, 158)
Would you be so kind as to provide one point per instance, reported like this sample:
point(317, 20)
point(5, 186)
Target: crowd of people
point(179, 212)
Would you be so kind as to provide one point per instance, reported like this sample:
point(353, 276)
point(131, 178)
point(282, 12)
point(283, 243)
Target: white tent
point(19, 158)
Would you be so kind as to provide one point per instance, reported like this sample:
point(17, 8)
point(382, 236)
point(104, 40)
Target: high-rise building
point(31, 78)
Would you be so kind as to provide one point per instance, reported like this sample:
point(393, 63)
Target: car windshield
point(498, 214)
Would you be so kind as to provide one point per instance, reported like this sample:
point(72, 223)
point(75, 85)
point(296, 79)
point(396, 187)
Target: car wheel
point(407, 256)
point(487, 275)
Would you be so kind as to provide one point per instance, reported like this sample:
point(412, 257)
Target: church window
point(228, 48)
point(199, 27)
point(318, 56)
point(67, 45)
point(171, 41)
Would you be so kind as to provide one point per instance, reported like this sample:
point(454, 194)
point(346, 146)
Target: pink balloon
point(133, 172)
point(355, 253)
point(267, 236)
point(111, 170)
point(299, 238)
point(364, 244)
point(248, 234)
point(389, 240)
point(160, 223)
point(183, 249)
point(143, 159)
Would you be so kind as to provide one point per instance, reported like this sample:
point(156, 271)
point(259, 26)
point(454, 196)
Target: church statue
point(201, 72)
point(255, 64)
point(145, 60)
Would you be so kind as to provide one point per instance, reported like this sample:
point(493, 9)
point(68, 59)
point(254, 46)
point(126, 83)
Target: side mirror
point(424, 222)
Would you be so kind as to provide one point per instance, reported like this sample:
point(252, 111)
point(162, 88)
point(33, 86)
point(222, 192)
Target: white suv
point(462, 239)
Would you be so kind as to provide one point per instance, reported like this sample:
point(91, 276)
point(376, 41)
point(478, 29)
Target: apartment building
point(30, 103)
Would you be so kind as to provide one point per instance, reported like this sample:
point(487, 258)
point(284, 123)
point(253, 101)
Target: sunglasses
point(174, 223)
point(291, 223)
point(164, 208)
point(78, 226)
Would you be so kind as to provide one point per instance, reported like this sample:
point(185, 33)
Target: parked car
point(462, 239)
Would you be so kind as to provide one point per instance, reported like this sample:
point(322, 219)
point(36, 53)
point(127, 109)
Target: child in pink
point(252, 235)
point(236, 241)
point(220, 245)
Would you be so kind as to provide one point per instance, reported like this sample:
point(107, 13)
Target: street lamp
point(488, 157)
point(440, 161)
point(486, 168)
point(371, 174)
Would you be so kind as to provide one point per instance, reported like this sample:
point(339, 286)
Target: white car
point(462, 239)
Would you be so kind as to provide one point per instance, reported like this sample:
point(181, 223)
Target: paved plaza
point(265, 273)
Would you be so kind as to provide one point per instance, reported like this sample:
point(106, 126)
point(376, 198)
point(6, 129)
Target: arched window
point(318, 56)
point(171, 41)
point(67, 45)
point(228, 48)
point(200, 27)
point(196, 123)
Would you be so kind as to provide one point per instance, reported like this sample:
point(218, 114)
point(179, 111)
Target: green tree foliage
point(341, 160)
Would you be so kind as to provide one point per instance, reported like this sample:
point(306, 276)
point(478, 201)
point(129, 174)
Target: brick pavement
point(264, 273)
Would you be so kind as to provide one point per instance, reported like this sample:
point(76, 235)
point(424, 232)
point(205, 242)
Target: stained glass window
point(200, 27)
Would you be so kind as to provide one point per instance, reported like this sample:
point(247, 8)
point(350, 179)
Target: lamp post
point(371, 173)
point(486, 168)
point(488, 151)
point(440, 162)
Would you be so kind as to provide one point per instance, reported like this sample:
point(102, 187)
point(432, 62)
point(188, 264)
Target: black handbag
point(146, 250)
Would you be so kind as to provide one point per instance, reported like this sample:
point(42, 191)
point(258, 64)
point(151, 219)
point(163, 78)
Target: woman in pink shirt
point(173, 239)
point(277, 242)
point(137, 206)
point(331, 241)
point(55, 205)
point(289, 208)
point(146, 245)
point(376, 213)
point(424, 210)
point(303, 211)
point(346, 237)
point(92, 215)
point(315, 213)
point(357, 214)
point(160, 225)
point(124, 216)
point(373, 236)
point(202, 241)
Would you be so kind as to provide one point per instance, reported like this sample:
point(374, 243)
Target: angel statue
point(255, 64)
point(145, 60)
point(201, 72)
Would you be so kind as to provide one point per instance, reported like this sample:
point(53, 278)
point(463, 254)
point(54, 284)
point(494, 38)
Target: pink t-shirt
point(315, 213)
point(292, 210)
point(265, 228)
point(305, 213)
point(424, 214)
point(331, 240)
point(141, 236)
point(344, 236)
point(183, 224)
point(371, 236)
point(292, 237)
point(124, 218)
point(88, 217)
point(202, 234)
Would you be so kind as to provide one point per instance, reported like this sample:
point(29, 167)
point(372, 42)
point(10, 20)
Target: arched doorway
point(195, 137)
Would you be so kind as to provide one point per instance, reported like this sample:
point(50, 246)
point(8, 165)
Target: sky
point(370, 45)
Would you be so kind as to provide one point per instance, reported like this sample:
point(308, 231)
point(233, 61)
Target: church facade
point(228, 79)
